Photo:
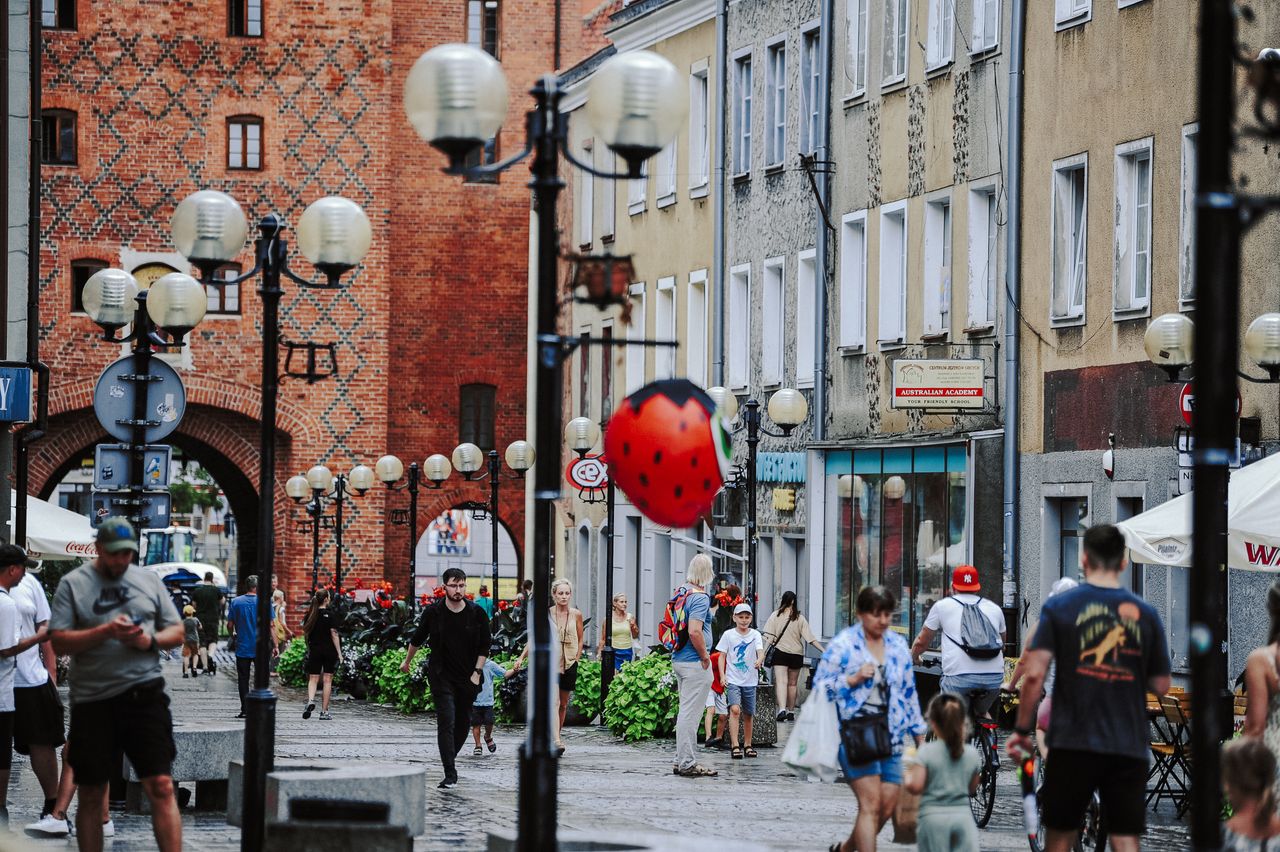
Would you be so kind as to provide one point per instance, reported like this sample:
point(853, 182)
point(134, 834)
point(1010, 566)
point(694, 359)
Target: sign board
point(1187, 402)
point(154, 509)
point(943, 383)
point(113, 400)
point(786, 468)
point(111, 467)
point(588, 473)
point(784, 499)
point(15, 395)
point(1186, 480)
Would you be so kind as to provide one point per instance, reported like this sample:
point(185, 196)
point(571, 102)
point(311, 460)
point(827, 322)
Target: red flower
point(470, 596)
point(502, 605)
point(484, 593)
point(439, 591)
point(386, 604)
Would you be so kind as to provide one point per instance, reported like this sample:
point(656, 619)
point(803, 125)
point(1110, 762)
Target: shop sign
point(780, 467)
point(784, 499)
point(943, 383)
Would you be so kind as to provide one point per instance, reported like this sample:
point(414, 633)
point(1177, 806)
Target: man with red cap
point(973, 631)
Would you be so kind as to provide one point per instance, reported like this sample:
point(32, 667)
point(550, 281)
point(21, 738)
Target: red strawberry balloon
point(668, 451)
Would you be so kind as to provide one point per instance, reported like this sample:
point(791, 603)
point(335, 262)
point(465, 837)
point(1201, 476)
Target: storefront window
point(900, 522)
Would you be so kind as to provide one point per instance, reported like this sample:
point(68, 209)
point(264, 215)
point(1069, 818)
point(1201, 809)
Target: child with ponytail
point(1248, 776)
point(944, 775)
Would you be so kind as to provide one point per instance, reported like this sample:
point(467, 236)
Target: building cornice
point(644, 24)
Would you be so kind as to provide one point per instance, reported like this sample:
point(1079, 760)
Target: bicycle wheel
point(1037, 841)
point(1093, 836)
point(984, 798)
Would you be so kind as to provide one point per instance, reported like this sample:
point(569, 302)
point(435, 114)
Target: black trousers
point(243, 667)
point(453, 718)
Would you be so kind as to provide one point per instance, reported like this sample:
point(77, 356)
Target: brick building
point(279, 104)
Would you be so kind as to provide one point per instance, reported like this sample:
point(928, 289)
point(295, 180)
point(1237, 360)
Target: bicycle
point(1093, 832)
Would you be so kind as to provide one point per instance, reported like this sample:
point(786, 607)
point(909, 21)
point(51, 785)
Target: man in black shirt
point(457, 632)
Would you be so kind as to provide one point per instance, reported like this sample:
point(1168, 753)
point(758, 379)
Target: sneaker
point(714, 742)
point(308, 710)
point(791, 716)
point(109, 828)
point(324, 715)
point(185, 675)
point(782, 716)
point(240, 715)
point(448, 784)
point(49, 826)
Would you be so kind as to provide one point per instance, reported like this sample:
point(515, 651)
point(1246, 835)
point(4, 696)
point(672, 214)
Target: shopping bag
point(813, 749)
point(906, 817)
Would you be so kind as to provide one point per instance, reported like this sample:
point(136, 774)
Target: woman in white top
point(787, 631)
point(622, 625)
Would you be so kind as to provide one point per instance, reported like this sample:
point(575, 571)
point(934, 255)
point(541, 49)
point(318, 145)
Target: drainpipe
point(1012, 319)
point(717, 171)
point(821, 252)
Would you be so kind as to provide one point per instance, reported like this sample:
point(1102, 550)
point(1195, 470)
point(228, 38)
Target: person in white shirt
point(742, 655)
point(975, 675)
point(38, 715)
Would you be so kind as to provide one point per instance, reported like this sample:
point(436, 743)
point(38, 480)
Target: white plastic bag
point(813, 749)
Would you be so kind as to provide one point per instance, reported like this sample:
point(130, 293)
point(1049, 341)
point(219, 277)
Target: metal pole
point(141, 368)
point(607, 655)
point(537, 795)
point(316, 509)
point(414, 481)
point(495, 471)
point(1214, 420)
point(753, 441)
point(260, 728)
point(339, 496)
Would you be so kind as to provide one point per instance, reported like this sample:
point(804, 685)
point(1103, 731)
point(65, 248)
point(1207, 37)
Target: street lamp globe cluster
point(1169, 344)
point(175, 302)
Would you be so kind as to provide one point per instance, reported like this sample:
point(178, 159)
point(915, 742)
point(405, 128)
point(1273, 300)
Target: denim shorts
point(889, 769)
point(743, 696)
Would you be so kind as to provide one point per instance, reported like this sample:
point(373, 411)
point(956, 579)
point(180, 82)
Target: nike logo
point(109, 599)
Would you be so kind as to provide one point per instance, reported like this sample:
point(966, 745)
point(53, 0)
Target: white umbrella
point(1162, 536)
point(54, 533)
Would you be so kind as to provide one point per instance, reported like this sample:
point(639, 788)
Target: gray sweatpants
point(695, 683)
point(947, 830)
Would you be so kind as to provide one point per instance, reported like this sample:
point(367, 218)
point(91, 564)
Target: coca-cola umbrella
point(54, 533)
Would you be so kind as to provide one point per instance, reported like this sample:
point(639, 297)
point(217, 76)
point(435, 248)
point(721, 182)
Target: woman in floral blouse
point(867, 669)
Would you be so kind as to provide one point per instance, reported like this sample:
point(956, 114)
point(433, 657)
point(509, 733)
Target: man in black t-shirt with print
point(1109, 648)
point(457, 632)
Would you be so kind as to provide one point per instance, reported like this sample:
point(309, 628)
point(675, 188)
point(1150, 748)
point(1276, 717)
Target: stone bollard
point(764, 731)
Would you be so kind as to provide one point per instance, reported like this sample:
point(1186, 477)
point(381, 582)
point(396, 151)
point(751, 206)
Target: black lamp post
point(788, 409)
point(320, 485)
point(456, 98)
point(209, 229)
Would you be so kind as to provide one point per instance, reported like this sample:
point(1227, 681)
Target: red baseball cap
point(965, 579)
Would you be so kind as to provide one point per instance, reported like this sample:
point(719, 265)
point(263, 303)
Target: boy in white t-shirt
point(742, 655)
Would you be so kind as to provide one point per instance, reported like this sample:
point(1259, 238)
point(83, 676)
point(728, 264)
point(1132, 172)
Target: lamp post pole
point(495, 471)
point(751, 418)
point(339, 497)
point(607, 655)
point(415, 479)
point(316, 510)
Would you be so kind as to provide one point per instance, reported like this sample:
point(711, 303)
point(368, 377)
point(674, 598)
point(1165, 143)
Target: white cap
point(741, 608)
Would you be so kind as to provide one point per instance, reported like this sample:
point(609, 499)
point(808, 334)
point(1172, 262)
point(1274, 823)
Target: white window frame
point(1187, 216)
point(636, 369)
point(775, 139)
point(586, 198)
point(743, 79)
point(773, 306)
point(856, 27)
point(853, 281)
point(638, 191)
point(664, 328)
point(738, 338)
point(940, 44)
point(938, 258)
point(609, 192)
point(897, 27)
point(696, 328)
point(806, 316)
point(1075, 312)
point(1132, 260)
point(666, 177)
point(1071, 13)
point(810, 87)
point(984, 257)
point(986, 27)
point(699, 129)
point(891, 328)
point(1125, 4)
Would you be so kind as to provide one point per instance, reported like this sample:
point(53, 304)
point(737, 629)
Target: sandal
point(736, 752)
point(697, 771)
point(478, 751)
point(750, 752)
point(491, 744)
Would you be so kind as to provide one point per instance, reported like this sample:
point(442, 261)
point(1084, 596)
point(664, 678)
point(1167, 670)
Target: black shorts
point(569, 678)
point(318, 664)
point(1070, 777)
point(791, 661)
point(37, 717)
point(481, 716)
point(6, 737)
point(136, 722)
point(208, 635)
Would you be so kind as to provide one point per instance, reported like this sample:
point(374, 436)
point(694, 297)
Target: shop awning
point(54, 533)
point(1162, 536)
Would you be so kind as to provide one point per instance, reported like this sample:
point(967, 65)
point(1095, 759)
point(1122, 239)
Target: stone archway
point(476, 560)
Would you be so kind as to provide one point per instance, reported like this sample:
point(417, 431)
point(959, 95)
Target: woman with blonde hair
point(621, 625)
point(279, 627)
point(691, 663)
point(566, 626)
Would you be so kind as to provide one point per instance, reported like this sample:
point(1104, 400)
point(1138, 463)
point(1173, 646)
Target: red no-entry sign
point(1187, 402)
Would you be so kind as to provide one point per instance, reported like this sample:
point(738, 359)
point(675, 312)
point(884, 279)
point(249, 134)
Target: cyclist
point(973, 633)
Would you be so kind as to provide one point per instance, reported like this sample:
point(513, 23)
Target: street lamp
point(209, 229)
point(455, 98)
point(320, 484)
point(788, 409)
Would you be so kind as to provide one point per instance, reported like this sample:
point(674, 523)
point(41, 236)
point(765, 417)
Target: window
point(853, 280)
point(666, 190)
point(244, 143)
point(58, 14)
point(937, 267)
point(696, 332)
point(941, 44)
point(636, 354)
point(1073, 517)
point(1068, 13)
point(81, 272)
point(483, 155)
point(742, 115)
point(772, 321)
point(893, 273)
point(986, 24)
point(608, 162)
point(224, 299)
point(586, 199)
point(606, 372)
point(584, 373)
point(664, 317)
point(1187, 216)
point(896, 24)
point(482, 25)
point(476, 415)
point(699, 133)
point(638, 190)
point(806, 308)
point(739, 330)
point(811, 92)
point(1132, 282)
point(775, 148)
point(1068, 241)
point(856, 14)
point(58, 145)
point(983, 260)
point(244, 18)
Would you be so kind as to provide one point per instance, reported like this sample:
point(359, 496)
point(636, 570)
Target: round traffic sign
point(1187, 402)
point(588, 473)
point(113, 400)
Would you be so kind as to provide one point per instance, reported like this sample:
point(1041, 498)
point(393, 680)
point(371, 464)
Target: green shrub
point(643, 699)
point(410, 693)
point(355, 674)
point(291, 665)
point(586, 692)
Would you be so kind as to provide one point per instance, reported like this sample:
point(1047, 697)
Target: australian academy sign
point(945, 384)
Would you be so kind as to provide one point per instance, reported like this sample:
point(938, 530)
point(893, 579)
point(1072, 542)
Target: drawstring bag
point(813, 749)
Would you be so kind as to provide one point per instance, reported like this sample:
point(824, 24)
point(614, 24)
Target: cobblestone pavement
point(604, 785)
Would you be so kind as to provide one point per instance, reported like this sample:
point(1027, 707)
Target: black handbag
point(866, 737)
point(771, 653)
